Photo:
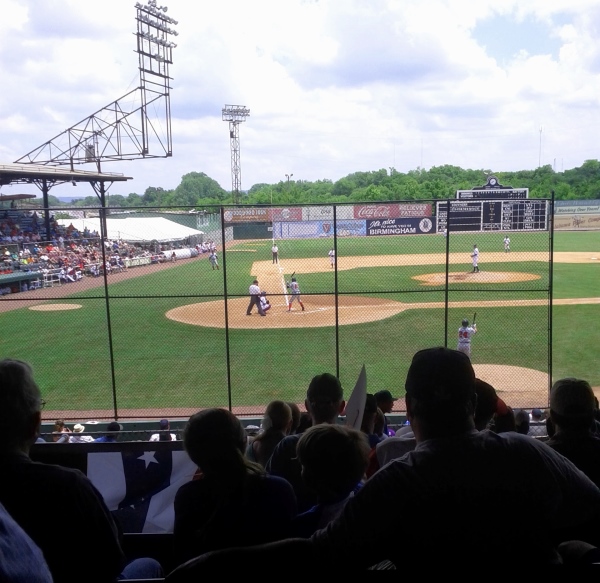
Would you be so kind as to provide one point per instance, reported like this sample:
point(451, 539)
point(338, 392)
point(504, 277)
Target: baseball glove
point(287, 284)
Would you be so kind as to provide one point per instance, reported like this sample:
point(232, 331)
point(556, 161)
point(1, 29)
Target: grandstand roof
point(28, 173)
point(136, 229)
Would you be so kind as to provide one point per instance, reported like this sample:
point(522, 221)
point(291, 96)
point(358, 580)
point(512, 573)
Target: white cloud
point(333, 86)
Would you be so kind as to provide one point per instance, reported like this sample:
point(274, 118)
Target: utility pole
point(235, 114)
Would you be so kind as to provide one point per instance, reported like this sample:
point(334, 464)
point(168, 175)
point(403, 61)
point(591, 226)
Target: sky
point(333, 86)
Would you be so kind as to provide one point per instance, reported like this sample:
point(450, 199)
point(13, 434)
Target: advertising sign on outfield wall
point(411, 226)
point(391, 210)
point(246, 215)
point(317, 229)
point(325, 213)
point(285, 214)
point(577, 222)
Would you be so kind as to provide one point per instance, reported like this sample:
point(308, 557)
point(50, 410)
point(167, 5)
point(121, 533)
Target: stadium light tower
point(235, 114)
point(138, 124)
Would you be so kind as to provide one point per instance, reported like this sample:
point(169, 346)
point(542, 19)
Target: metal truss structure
point(138, 124)
point(235, 114)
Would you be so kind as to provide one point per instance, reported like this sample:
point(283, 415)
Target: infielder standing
point(332, 257)
point(507, 244)
point(475, 258)
point(295, 289)
point(275, 251)
point(464, 337)
point(254, 291)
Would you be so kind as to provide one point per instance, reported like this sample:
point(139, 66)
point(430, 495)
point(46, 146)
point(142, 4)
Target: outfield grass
point(162, 363)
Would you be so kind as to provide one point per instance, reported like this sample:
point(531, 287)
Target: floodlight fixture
point(235, 114)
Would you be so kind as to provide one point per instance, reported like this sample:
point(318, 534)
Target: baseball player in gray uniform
point(295, 294)
point(475, 258)
point(464, 337)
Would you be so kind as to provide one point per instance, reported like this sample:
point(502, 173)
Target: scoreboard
point(493, 194)
point(493, 215)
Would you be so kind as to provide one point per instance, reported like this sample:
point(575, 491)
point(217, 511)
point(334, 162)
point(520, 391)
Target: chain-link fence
point(151, 319)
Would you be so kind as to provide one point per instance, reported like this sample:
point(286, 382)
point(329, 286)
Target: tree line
point(198, 190)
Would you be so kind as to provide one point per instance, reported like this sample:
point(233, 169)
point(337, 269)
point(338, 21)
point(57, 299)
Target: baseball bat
point(474, 316)
point(293, 274)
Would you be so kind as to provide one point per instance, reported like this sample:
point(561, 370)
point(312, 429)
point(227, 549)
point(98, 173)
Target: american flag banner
point(139, 488)
point(138, 480)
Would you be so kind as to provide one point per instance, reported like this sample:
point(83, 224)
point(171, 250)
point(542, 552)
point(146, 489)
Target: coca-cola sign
point(375, 211)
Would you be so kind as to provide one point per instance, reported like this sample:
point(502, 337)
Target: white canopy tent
point(136, 230)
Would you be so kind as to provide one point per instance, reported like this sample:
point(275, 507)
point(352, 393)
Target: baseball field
point(168, 343)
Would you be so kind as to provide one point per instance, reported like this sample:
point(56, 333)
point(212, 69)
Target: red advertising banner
point(285, 214)
point(391, 210)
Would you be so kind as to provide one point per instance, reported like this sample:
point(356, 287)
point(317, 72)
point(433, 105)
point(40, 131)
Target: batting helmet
point(465, 323)
point(293, 279)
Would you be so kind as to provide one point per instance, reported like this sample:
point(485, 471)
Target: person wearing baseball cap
point(445, 491)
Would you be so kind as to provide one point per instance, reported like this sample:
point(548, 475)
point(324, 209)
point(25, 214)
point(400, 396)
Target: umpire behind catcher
point(254, 299)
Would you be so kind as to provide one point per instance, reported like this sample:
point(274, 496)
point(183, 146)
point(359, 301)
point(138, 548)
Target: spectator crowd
point(308, 490)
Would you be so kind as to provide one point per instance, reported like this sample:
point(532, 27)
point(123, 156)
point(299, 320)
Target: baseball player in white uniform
point(507, 244)
point(464, 337)
point(264, 301)
point(475, 258)
point(295, 295)
point(332, 257)
point(275, 252)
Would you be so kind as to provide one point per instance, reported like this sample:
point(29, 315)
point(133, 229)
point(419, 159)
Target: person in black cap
point(445, 491)
point(385, 402)
point(112, 432)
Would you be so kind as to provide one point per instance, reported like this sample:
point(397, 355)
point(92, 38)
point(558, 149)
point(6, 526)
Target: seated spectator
point(522, 422)
point(385, 402)
point(333, 460)
point(368, 421)
point(112, 433)
point(324, 402)
point(43, 498)
point(572, 414)
point(22, 560)
point(295, 417)
point(537, 423)
point(164, 434)
point(60, 433)
point(77, 437)
point(304, 423)
point(275, 426)
point(504, 422)
point(233, 502)
point(445, 490)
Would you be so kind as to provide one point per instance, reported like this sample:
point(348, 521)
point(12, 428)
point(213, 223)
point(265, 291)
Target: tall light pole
point(288, 176)
point(235, 114)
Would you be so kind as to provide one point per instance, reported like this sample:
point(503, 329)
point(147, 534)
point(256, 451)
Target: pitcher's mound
point(55, 307)
point(480, 277)
point(319, 311)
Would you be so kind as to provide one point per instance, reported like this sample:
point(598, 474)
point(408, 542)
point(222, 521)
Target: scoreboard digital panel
point(493, 194)
point(493, 215)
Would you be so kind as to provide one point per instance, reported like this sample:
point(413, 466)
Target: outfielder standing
point(507, 244)
point(464, 337)
point(475, 258)
point(332, 257)
point(295, 289)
